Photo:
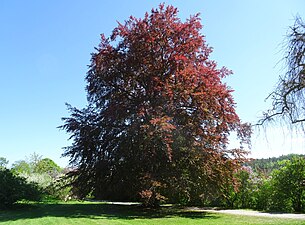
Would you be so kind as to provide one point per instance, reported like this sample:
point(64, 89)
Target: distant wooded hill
point(266, 166)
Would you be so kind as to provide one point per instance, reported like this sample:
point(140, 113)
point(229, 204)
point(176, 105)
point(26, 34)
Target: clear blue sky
point(45, 49)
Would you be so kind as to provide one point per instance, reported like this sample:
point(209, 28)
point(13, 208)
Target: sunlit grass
point(90, 213)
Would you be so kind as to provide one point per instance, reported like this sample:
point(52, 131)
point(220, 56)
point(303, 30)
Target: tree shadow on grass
point(97, 211)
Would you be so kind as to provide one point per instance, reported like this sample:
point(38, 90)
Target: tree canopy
point(36, 164)
point(159, 117)
point(46, 165)
point(3, 162)
point(289, 183)
point(21, 166)
point(265, 166)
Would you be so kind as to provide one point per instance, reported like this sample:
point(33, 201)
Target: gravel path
point(241, 212)
point(252, 213)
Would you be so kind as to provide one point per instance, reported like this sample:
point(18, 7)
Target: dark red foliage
point(162, 111)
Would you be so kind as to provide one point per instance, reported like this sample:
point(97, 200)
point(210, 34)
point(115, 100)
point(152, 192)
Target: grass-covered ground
point(90, 213)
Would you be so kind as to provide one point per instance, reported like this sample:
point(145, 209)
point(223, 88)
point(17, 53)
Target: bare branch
point(288, 98)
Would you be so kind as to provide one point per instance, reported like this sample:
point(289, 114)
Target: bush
point(284, 189)
point(288, 185)
point(262, 199)
point(14, 188)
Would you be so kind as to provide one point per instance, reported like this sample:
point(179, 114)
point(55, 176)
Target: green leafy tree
point(3, 162)
point(42, 171)
point(159, 116)
point(36, 164)
point(262, 195)
point(289, 184)
point(28, 165)
point(33, 160)
point(242, 194)
point(21, 167)
point(265, 166)
point(47, 166)
point(245, 188)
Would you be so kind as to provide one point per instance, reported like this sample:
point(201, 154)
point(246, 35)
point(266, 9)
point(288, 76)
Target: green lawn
point(90, 213)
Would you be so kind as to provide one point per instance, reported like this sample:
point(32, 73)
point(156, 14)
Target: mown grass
point(106, 213)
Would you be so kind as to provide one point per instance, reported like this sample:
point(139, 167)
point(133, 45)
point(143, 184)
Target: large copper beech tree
point(158, 116)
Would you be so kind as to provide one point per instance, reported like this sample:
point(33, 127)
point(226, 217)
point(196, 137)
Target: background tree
point(42, 171)
point(27, 165)
point(3, 162)
point(47, 166)
point(21, 166)
point(281, 189)
point(36, 164)
point(267, 165)
point(33, 160)
point(246, 186)
point(289, 184)
point(261, 196)
point(288, 98)
point(158, 118)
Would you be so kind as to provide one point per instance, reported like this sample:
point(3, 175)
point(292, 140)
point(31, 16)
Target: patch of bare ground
point(250, 213)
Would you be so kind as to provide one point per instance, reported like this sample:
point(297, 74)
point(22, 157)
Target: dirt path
point(252, 213)
point(241, 212)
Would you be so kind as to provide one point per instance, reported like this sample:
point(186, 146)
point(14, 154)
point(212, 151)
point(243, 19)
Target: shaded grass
point(106, 213)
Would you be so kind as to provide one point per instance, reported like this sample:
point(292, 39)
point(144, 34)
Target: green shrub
point(14, 188)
